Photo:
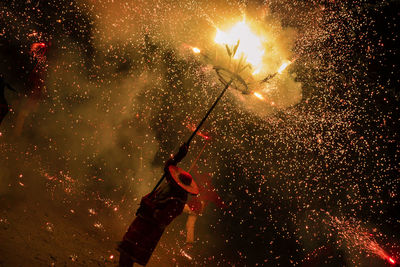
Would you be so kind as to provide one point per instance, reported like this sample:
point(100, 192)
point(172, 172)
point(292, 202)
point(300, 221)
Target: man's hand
point(182, 152)
point(178, 156)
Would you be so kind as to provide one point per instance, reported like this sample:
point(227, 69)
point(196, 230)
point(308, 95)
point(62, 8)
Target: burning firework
point(354, 236)
point(341, 135)
point(247, 45)
point(196, 50)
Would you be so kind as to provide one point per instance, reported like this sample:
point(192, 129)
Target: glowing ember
point(250, 45)
point(357, 237)
point(98, 225)
point(283, 67)
point(196, 50)
point(258, 95)
point(192, 127)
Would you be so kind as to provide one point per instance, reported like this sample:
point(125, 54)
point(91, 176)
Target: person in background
point(3, 102)
point(196, 206)
point(36, 84)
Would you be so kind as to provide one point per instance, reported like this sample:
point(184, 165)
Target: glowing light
point(199, 133)
point(196, 50)
point(98, 225)
point(258, 95)
point(186, 255)
point(358, 237)
point(250, 45)
point(283, 67)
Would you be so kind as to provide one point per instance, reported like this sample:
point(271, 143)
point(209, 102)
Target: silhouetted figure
point(195, 207)
point(3, 102)
point(36, 84)
point(157, 210)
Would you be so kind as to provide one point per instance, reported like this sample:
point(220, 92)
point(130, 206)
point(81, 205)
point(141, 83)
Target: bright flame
point(250, 45)
point(258, 95)
point(196, 50)
point(283, 67)
point(392, 260)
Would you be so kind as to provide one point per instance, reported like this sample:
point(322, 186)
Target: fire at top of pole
point(246, 45)
point(250, 45)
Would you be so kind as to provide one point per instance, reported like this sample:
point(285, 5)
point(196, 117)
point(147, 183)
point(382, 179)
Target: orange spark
point(196, 50)
point(258, 95)
point(283, 66)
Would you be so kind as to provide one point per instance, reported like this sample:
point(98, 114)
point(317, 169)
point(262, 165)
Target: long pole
point(208, 113)
point(198, 127)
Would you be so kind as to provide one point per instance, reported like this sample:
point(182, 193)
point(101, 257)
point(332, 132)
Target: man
point(3, 102)
point(36, 84)
point(157, 210)
point(196, 206)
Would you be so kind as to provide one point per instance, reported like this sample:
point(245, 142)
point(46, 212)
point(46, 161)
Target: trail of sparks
point(356, 237)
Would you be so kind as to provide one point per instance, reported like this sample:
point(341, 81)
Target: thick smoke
point(122, 91)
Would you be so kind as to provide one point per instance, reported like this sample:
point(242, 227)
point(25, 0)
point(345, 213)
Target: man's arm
point(178, 156)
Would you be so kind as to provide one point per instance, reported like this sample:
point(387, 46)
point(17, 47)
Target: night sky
point(309, 174)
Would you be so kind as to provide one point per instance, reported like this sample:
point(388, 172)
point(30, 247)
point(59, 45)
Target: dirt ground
point(47, 221)
point(38, 231)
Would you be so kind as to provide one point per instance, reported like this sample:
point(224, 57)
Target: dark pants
point(140, 240)
point(125, 260)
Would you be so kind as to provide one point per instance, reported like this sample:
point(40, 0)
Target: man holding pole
point(161, 206)
point(157, 210)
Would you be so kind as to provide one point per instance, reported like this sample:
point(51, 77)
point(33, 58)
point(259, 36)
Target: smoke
point(122, 85)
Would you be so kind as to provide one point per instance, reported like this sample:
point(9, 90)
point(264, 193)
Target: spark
point(186, 255)
point(358, 237)
point(258, 95)
point(250, 45)
point(92, 211)
point(196, 50)
point(98, 225)
point(199, 133)
point(284, 66)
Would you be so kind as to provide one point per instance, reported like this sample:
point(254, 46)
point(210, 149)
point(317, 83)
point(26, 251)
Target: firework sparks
point(196, 50)
point(259, 96)
point(335, 147)
point(357, 237)
point(250, 45)
point(192, 127)
point(283, 66)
